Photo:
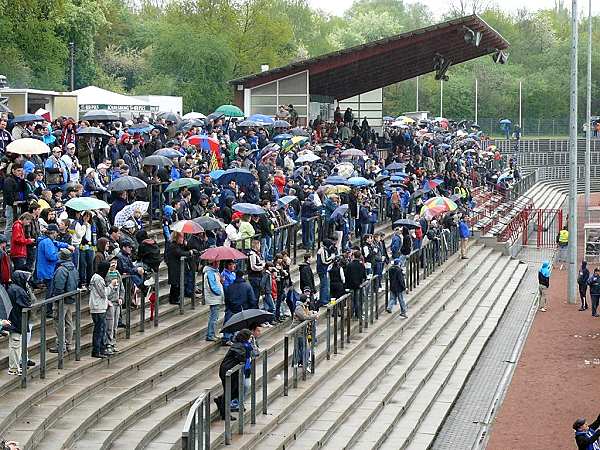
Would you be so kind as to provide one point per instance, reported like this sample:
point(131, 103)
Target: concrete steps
point(151, 367)
point(400, 359)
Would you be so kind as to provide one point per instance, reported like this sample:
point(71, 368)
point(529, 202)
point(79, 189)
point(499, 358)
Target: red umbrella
point(222, 253)
point(205, 142)
point(187, 227)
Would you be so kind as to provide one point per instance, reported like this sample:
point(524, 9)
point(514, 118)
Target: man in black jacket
point(14, 191)
point(397, 288)
point(307, 278)
point(355, 276)
point(587, 436)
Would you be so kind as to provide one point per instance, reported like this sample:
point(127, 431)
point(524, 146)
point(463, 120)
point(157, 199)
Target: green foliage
point(193, 47)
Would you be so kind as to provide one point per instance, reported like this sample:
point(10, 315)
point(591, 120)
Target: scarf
point(248, 363)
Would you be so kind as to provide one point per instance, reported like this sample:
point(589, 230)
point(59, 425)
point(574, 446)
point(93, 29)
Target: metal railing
point(42, 308)
point(196, 430)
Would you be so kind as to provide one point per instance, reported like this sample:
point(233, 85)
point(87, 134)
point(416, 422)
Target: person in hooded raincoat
point(544, 284)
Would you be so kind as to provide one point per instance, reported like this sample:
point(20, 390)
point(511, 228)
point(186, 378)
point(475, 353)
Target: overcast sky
point(339, 6)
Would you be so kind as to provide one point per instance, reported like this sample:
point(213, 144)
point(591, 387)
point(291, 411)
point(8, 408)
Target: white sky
point(338, 7)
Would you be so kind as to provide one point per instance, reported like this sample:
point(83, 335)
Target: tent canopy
point(93, 97)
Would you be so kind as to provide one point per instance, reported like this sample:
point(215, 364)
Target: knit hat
point(578, 423)
point(65, 254)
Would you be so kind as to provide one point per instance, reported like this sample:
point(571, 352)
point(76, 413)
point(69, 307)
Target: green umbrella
point(230, 111)
point(86, 204)
point(182, 182)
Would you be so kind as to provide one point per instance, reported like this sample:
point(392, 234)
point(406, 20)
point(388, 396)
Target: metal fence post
point(43, 341)
point(241, 378)
point(286, 362)
point(127, 286)
point(328, 334)
point(61, 333)
point(151, 205)
point(157, 295)
point(304, 350)
point(313, 341)
point(78, 326)
point(193, 299)
point(24, 358)
point(181, 283)
point(253, 391)
point(348, 319)
point(207, 421)
point(335, 327)
point(143, 312)
point(264, 381)
point(227, 400)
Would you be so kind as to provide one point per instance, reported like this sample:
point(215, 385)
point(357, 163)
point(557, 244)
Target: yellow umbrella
point(408, 120)
point(337, 189)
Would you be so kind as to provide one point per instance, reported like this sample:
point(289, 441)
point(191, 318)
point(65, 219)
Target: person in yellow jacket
point(563, 244)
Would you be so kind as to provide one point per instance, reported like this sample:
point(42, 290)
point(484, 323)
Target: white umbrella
point(127, 212)
point(193, 115)
point(27, 146)
point(345, 170)
point(309, 157)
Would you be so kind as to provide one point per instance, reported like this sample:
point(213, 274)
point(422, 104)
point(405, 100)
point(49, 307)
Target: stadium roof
point(376, 64)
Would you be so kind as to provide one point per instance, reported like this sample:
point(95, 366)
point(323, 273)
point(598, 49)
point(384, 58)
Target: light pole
point(441, 98)
point(521, 105)
point(588, 115)
point(72, 62)
point(572, 285)
point(476, 100)
point(417, 93)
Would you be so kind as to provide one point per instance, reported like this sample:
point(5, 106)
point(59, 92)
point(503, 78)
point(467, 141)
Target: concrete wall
point(65, 105)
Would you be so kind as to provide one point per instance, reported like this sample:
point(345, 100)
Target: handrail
point(196, 429)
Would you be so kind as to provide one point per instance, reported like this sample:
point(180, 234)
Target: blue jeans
point(9, 214)
point(86, 265)
point(265, 246)
point(213, 316)
point(228, 314)
point(268, 303)
point(324, 295)
point(397, 298)
point(308, 233)
point(99, 320)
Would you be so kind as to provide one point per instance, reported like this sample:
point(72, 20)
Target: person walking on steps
point(582, 281)
point(594, 282)
point(465, 233)
point(544, 284)
point(397, 288)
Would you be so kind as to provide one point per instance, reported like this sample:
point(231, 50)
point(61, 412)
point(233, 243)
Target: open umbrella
point(86, 204)
point(208, 223)
point(299, 132)
point(505, 176)
point(187, 227)
point(126, 183)
point(213, 116)
point(382, 178)
point(27, 118)
point(394, 166)
point(282, 137)
point(230, 111)
point(339, 211)
point(92, 131)
point(182, 182)
point(309, 157)
point(168, 116)
point(193, 115)
point(428, 185)
point(215, 174)
point(240, 176)
point(127, 212)
point(248, 318)
point(410, 224)
point(222, 253)
point(248, 208)
point(335, 180)
point(100, 115)
point(249, 123)
point(168, 153)
point(436, 206)
point(205, 142)
point(157, 160)
point(261, 119)
point(345, 169)
point(27, 146)
point(359, 181)
point(141, 128)
point(281, 124)
point(353, 153)
point(337, 189)
point(286, 200)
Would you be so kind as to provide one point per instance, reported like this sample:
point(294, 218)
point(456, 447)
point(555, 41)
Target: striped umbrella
point(436, 206)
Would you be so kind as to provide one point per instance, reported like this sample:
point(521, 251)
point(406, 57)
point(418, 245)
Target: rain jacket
point(47, 257)
point(20, 298)
point(239, 296)
point(66, 279)
point(213, 289)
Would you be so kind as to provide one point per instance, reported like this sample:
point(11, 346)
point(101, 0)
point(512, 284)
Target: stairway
point(401, 378)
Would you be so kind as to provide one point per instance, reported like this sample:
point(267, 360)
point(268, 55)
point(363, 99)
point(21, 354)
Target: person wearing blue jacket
point(544, 284)
point(47, 255)
point(587, 436)
point(465, 233)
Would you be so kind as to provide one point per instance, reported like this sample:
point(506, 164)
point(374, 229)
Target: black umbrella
point(126, 183)
point(169, 116)
point(92, 131)
point(213, 116)
point(382, 178)
point(27, 118)
point(157, 160)
point(299, 132)
point(410, 224)
point(208, 223)
point(246, 319)
point(417, 193)
point(100, 115)
point(188, 124)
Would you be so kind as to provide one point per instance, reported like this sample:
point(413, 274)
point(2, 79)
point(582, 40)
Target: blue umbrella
point(358, 181)
point(398, 176)
point(505, 176)
point(394, 166)
point(27, 118)
point(281, 124)
point(240, 176)
point(261, 119)
point(506, 121)
point(248, 208)
point(335, 179)
point(339, 211)
point(282, 137)
point(141, 128)
point(215, 174)
point(286, 200)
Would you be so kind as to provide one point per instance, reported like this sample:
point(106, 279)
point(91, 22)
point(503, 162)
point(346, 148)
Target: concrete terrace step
point(435, 397)
point(337, 425)
point(286, 413)
point(148, 361)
